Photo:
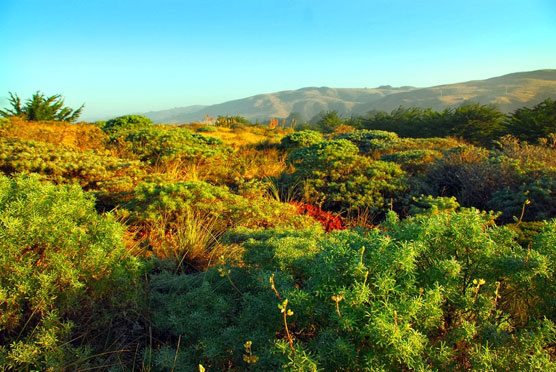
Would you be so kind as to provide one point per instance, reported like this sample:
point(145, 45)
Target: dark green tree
point(329, 121)
point(530, 124)
point(41, 107)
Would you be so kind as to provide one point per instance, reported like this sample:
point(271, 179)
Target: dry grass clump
point(81, 136)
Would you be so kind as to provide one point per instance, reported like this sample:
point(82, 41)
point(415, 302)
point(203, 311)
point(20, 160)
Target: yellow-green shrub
point(64, 274)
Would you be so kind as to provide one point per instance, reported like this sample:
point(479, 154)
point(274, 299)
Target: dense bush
point(447, 292)
point(367, 140)
point(159, 144)
point(175, 214)
point(302, 138)
point(64, 274)
point(207, 128)
point(240, 281)
point(413, 161)
point(89, 168)
point(126, 122)
point(517, 179)
point(336, 176)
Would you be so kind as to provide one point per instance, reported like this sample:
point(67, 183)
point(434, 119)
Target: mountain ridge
point(508, 92)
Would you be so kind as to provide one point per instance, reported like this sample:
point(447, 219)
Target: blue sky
point(128, 56)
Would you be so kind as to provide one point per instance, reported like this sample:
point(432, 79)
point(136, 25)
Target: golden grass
point(81, 136)
point(244, 135)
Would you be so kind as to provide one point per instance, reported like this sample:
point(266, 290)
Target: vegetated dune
point(508, 92)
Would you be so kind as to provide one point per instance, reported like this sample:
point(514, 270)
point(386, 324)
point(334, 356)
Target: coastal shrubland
point(414, 240)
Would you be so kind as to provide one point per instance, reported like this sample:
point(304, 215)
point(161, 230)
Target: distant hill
point(175, 114)
point(508, 92)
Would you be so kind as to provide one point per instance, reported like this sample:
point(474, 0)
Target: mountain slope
point(508, 92)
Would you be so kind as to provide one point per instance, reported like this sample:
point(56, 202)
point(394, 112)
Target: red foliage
point(327, 219)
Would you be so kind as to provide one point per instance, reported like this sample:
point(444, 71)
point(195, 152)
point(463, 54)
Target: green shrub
point(518, 180)
point(165, 208)
point(445, 292)
point(159, 144)
point(126, 122)
point(334, 175)
point(472, 175)
point(534, 200)
point(61, 164)
point(429, 205)
point(64, 275)
point(367, 140)
point(304, 138)
point(413, 161)
point(207, 128)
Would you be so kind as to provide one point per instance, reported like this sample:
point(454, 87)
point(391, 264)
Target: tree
point(329, 121)
point(41, 107)
point(530, 124)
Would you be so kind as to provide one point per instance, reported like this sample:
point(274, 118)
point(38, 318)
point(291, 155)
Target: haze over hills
point(508, 92)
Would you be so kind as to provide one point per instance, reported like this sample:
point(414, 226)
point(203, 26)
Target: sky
point(133, 56)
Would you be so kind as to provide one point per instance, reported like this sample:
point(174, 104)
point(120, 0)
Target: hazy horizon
point(139, 56)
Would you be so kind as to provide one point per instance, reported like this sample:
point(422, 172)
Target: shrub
point(503, 179)
point(127, 122)
point(333, 174)
point(159, 144)
point(61, 164)
point(472, 175)
point(164, 209)
point(207, 128)
point(304, 138)
point(328, 122)
point(429, 205)
point(64, 274)
point(534, 200)
point(449, 291)
point(367, 140)
point(413, 161)
point(329, 221)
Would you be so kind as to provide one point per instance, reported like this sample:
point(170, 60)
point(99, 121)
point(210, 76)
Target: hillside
point(306, 101)
point(508, 92)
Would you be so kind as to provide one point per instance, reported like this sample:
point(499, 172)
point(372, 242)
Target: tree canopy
point(41, 107)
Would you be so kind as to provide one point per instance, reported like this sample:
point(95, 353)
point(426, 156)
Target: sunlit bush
point(449, 291)
point(64, 274)
point(126, 122)
point(61, 164)
point(164, 209)
point(159, 144)
point(302, 138)
point(367, 140)
point(333, 174)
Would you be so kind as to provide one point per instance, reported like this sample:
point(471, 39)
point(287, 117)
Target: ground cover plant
point(414, 240)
